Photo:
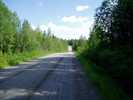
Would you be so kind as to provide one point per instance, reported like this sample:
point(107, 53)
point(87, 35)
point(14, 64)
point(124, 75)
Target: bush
point(3, 61)
point(116, 63)
point(13, 59)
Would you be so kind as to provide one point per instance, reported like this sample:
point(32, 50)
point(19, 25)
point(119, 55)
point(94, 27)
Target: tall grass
point(106, 86)
point(13, 59)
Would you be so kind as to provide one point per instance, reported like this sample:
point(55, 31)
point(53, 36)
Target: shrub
point(3, 61)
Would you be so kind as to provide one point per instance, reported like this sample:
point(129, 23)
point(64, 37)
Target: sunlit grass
point(13, 59)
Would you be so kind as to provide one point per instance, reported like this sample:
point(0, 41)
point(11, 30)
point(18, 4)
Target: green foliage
point(19, 42)
point(16, 58)
point(81, 43)
point(110, 43)
point(3, 61)
point(122, 23)
point(7, 28)
point(106, 86)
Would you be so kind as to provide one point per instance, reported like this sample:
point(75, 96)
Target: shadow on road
point(57, 77)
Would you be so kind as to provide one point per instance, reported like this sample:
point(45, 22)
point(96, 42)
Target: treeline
point(110, 45)
point(77, 44)
point(18, 37)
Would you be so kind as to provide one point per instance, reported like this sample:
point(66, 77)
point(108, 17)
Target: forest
point(19, 42)
point(108, 53)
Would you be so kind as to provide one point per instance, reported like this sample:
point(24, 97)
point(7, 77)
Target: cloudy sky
point(68, 19)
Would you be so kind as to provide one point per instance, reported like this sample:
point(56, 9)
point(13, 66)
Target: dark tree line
point(78, 43)
point(110, 43)
point(115, 18)
point(17, 36)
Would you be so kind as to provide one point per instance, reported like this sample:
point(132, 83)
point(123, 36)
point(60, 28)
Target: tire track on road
point(42, 80)
point(18, 72)
point(33, 88)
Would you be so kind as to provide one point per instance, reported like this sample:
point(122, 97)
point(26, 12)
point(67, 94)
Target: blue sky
point(67, 18)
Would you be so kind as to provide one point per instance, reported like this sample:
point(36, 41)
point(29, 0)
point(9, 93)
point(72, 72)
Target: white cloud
point(80, 8)
point(33, 26)
point(43, 27)
point(74, 19)
point(69, 32)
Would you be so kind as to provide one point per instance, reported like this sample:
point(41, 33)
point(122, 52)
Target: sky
point(67, 19)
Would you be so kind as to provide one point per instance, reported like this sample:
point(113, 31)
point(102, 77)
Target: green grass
point(13, 59)
point(108, 89)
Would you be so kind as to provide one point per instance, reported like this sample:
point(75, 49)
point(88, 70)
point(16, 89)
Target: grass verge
point(108, 89)
point(17, 58)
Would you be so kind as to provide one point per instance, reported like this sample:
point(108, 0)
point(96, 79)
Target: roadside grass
point(108, 89)
point(17, 58)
